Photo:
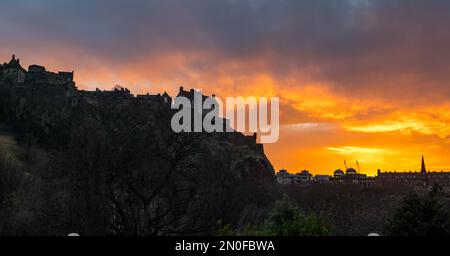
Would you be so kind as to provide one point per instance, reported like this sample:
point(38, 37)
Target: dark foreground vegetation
point(118, 169)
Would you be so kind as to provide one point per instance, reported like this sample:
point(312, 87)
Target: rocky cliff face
point(114, 166)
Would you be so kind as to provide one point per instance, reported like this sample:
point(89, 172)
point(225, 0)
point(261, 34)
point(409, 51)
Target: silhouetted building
point(41, 83)
point(338, 174)
point(36, 69)
point(286, 178)
point(304, 176)
point(418, 180)
point(322, 178)
point(12, 71)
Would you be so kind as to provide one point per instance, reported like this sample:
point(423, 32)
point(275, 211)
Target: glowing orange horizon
point(320, 126)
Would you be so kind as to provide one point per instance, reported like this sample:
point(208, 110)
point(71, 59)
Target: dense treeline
point(118, 169)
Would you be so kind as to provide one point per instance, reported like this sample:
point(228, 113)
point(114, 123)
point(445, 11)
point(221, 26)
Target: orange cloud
point(321, 126)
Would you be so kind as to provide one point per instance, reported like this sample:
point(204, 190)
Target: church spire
point(423, 170)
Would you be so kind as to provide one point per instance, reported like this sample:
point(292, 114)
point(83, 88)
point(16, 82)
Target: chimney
point(13, 57)
point(181, 88)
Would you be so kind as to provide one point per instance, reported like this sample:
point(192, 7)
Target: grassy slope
point(27, 157)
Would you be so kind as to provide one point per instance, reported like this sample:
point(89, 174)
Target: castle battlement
point(14, 73)
point(37, 80)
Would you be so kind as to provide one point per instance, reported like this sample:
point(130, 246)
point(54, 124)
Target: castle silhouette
point(60, 89)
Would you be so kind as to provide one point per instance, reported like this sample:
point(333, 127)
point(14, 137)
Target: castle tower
point(423, 170)
point(14, 71)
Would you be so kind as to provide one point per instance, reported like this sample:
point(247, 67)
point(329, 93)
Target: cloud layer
point(360, 68)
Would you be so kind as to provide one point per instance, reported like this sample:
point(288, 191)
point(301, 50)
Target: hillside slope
point(114, 166)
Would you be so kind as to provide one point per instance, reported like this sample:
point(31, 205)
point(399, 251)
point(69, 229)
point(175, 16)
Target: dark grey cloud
point(361, 45)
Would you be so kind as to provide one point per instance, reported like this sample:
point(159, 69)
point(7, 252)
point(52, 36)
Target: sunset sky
point(358, 79)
